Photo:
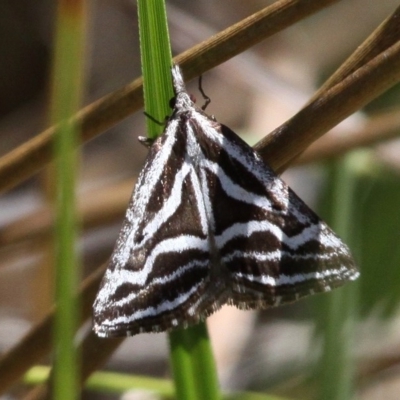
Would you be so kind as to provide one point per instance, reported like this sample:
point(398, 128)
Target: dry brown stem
point(94, 119)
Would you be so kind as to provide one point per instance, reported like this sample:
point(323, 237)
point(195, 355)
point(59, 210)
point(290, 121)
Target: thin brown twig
point(385, 36)
point(94, 352)
point(377, 129)
point(285, 143)
point(241, 36)
point(94, 119)
point(38, 392)
point(37, 343)
point(377, 366)
point(95, 209)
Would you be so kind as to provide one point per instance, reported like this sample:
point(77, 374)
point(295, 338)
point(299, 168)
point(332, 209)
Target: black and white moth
point(210, 223)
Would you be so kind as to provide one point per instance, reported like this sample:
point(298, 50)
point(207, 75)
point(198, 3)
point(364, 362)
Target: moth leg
point(161, 123)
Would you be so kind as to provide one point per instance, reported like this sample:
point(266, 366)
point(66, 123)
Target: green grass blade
point(378, 222)
point(156, 63)
point(191, 355)
point(336, 369)
point(66, 95)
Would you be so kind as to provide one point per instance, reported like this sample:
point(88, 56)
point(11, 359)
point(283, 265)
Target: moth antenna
point(205, 97)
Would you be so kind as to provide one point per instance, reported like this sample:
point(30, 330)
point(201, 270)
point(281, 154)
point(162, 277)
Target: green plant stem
point(336, 369)
point(67, 82)
point(191, 355)
point(156, 63)
point(193, 364)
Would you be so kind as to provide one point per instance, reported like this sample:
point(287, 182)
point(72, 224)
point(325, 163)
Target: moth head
point(173, 101)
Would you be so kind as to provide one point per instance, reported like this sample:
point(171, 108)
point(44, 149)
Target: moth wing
point(274, 246)
point(209, 222)
point(161, 261)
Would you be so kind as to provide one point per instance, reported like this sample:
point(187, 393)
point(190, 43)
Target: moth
point(209, 223)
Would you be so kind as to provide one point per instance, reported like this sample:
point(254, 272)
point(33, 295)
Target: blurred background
point(279, 350)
